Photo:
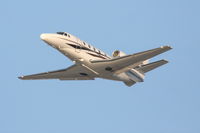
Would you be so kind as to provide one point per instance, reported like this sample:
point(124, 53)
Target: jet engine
point(118, 53)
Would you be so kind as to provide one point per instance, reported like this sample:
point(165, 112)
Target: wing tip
point(24, 78)
point(166, 47)
point(165, 61)
point(21, 77)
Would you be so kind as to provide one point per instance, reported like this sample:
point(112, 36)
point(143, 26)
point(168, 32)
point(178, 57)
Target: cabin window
point(84, 43)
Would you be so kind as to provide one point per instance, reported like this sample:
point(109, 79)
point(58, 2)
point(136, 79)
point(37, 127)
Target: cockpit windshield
point(62, 33)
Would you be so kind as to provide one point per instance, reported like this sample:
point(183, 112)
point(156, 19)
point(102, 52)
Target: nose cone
point(48, 38)
point(43, 36)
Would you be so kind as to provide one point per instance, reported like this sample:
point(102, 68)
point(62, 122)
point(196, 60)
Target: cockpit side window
point(60, 33)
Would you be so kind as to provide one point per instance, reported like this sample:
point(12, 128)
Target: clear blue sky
point(167, 102)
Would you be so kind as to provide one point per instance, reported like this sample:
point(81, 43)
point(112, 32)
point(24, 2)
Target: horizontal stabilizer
point(151, 66)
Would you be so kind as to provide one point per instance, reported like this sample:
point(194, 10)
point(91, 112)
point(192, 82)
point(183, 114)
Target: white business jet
point(91, 63)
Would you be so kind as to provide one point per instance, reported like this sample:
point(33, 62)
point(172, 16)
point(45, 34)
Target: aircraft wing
point(75, 72)
point(125, 63)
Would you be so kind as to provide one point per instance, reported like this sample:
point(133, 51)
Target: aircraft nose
point(48, 38)
point(43, 36)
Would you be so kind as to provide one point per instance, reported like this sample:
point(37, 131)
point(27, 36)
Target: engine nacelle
point(118, 53)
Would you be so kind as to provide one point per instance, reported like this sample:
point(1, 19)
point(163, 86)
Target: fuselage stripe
point(79, 46)
point(96, 56)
